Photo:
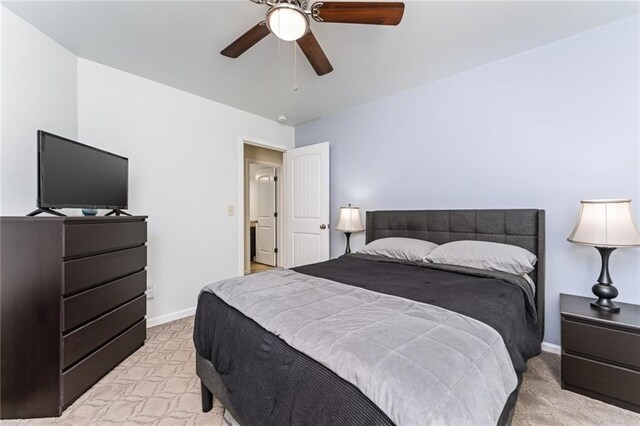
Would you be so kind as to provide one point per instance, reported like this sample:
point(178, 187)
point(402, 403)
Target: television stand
point(46, 210)
point(117, 212)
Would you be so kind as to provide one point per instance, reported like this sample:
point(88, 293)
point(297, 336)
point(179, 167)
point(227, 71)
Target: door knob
point(323, 226)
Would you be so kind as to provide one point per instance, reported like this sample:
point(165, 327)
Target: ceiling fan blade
point(246, 41)
point(312, 50)
point(375, 13)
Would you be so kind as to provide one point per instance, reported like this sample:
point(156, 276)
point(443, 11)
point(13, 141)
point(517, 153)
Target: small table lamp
point(348, 222)
point(605, 224)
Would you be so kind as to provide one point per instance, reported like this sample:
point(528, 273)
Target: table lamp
point(606, 225)
point(348, 222)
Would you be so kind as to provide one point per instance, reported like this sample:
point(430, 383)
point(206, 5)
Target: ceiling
point(178, 43)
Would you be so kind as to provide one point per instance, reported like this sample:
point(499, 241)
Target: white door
point(266, 227)
point(307, 205)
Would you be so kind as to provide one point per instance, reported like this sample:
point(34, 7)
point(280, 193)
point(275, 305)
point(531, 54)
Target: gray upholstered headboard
point(519, 227)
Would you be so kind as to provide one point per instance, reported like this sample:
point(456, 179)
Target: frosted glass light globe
point(287, 22)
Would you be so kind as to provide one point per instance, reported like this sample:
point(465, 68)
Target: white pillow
point(399, 248)
point(484, 255)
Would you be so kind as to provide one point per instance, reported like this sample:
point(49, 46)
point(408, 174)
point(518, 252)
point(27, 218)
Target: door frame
point(279, 205)
point(242, 173)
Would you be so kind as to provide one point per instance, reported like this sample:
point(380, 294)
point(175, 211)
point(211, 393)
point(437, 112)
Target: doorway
point(263, 228)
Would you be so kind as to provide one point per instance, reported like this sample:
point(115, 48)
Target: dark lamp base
point(347, 250)
point(604, 289)
point(605, 305)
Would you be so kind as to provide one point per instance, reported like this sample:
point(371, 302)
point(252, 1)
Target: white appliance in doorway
point(266, 228)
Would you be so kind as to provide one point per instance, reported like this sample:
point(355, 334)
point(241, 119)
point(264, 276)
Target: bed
point(243, 358)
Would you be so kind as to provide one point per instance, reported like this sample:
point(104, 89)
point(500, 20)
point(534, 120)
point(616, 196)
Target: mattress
point(269, 382)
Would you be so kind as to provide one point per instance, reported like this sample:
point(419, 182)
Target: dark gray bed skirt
point(213, 381)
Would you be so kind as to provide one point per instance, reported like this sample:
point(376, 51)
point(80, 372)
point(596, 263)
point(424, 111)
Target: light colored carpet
point(543, 402)
point(155, 385)
point(158, 385)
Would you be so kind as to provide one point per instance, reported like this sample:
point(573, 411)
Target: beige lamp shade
point(349, 220)
point(606, 223)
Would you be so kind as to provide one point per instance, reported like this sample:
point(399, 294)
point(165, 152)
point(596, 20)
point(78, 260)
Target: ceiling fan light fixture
point(287, 21)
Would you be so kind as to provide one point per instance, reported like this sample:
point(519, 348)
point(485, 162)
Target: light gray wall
point(185, 155)
point(542, 129)
point(185, 168)
point(39, 91)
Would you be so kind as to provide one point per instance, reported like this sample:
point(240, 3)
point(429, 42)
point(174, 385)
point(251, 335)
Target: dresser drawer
point(94, 238)
point(90, 336)
point(605, 343)
point(89, 304)
point(616, 382)
point(83, 375)
point(88, 272)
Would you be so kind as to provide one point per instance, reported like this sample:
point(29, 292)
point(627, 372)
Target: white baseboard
point(162, 319)
point(551, 347)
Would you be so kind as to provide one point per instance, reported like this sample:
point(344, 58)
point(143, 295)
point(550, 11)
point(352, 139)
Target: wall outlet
point(149, 291)
point(231, 210)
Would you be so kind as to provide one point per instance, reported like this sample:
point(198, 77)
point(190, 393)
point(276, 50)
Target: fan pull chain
point(278, 37)
point(295, 67)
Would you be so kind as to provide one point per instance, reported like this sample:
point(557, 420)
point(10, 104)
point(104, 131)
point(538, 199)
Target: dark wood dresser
point(601, 351)
point(73, 306)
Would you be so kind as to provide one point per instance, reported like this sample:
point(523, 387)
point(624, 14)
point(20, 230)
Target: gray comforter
point(419, 363)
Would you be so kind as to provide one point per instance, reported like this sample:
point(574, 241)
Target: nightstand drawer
point(616, 382)
point(601, 342)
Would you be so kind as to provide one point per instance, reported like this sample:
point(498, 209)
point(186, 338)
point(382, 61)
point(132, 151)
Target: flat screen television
point(71, 174)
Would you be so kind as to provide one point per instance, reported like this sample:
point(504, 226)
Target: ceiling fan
point(289, 21)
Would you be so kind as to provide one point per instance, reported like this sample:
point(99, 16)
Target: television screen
point(71, 174)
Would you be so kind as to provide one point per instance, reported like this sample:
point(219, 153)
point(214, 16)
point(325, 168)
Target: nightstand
point(601, 351)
